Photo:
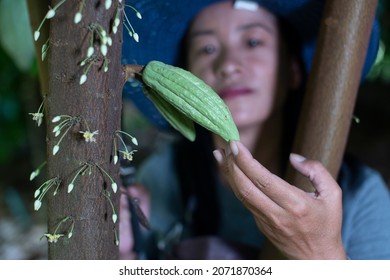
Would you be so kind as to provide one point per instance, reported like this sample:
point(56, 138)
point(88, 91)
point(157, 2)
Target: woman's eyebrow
point(197, 33)
point(242, 27)
point(261, 25)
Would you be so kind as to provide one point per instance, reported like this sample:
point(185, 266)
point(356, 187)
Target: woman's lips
point(234, 92)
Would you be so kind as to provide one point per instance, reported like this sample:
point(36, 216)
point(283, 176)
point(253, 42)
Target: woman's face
point(236, 53)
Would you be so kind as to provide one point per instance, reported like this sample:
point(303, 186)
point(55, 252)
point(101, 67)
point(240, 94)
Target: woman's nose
point(228, 64)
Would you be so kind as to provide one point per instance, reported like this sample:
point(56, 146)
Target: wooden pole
point(331, 91)
point(333, 85)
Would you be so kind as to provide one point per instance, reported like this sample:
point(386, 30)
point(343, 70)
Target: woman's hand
point(301, 225)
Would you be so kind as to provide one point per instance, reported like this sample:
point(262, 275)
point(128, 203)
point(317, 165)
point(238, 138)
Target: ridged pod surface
point(175, 118)
point(190, 96)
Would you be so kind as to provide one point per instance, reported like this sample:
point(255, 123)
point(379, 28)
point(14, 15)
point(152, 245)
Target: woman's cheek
point(250, 110)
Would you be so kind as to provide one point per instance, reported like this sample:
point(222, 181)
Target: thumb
point(315, 171)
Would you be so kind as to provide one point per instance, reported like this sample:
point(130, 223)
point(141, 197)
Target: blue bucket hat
point(164, 23)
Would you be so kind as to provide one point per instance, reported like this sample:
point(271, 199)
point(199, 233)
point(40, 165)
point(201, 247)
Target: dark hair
point(195, 165)
point(294, 99)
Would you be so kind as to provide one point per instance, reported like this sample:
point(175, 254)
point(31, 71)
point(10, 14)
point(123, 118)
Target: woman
point(251, 55)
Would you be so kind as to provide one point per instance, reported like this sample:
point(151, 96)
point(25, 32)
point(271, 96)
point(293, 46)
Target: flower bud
point(114, 187)
point(136, 37)
point(70, 187)
point(134, 141)
point(36, 35)
point(83, 79)
point(108, 4)
point(109, 41)
point(90, 52)
point(77, 17)
point(56, 119)
point(117, 21)
point(103, 49)
point(51, 13)
point(37, 192)
point(55, 149)
point(33, 175)
point(37, 205)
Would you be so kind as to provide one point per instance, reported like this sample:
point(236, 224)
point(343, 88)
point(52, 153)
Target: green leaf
point(15, 32)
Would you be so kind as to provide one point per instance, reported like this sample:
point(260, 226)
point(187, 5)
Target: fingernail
point(218, 156)
point(297, 158)
point(233, 147)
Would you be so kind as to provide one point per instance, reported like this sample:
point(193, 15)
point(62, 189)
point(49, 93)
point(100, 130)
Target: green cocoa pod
point(191, 96)
point(175, 118)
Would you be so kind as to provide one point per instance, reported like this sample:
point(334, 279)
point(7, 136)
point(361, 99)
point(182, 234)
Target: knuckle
point(263, 182)
point(300, 209)
point(337, 192)
point(244, 193)
point(316, 165)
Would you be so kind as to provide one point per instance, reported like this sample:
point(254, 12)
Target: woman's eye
point(209, 49)
point(253, 42)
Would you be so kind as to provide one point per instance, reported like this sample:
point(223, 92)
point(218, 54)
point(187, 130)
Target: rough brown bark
point(98, 103)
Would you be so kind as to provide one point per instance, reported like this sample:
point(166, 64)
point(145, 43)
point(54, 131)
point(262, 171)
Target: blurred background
point(22, 143)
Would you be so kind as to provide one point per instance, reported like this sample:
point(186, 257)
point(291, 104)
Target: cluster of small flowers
point(50, 14)
point(79, 15)
point(38, 116)
point(105, 39)
point(89, 136)
point(127, 24)
point(43, 189)
point(66, 123)
point(114, 215)
point(114, 186)
point(82, 170)
point(127, 155)
point(37, 171)
point(105, 42)
point(87, 168)
point(53, 237)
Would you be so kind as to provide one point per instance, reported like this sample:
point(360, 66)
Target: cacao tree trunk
point(94, 106)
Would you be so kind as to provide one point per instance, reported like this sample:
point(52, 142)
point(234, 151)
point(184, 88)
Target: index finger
point(278, 190)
